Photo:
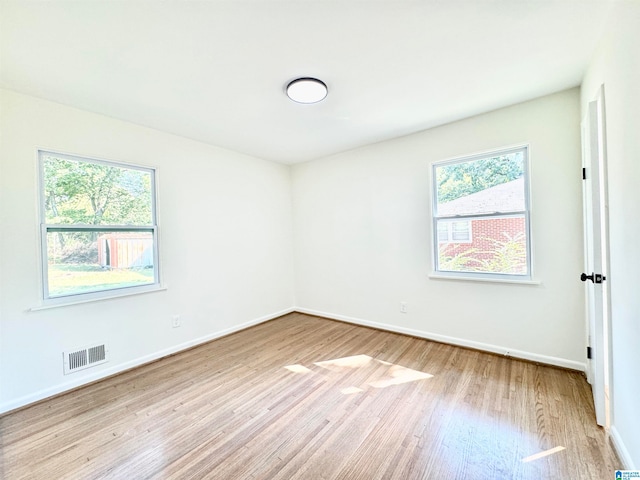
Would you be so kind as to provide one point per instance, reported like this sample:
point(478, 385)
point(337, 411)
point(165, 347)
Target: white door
point(596, 254)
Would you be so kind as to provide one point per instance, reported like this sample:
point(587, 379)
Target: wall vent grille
point(81, 358)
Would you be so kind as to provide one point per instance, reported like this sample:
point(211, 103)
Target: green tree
point(95, 194)
point(460, 179)
point(507, 256)
point(88, 193)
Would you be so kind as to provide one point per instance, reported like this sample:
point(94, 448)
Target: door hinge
point(589, 353)
point(584, 173)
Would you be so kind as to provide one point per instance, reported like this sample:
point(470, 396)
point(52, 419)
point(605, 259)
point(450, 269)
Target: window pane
point(443, 232)
point(78, 192)
point(460, 231)
point(499, 245)
point(486, 185)
point(82, 262)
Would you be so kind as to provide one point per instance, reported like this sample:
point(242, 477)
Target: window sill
point(438, 276)
point(72, 300)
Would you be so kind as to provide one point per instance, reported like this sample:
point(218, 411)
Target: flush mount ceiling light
point(307, 90)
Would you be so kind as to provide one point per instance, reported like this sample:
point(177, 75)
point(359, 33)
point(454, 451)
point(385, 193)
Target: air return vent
point(82, 358)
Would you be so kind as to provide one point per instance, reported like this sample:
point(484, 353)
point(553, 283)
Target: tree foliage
point(95, 194)
point(508, 256)
point(460, 179)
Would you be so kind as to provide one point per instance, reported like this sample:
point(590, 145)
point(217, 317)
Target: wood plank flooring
point(307, 398)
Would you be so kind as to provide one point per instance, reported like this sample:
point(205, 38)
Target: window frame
point(45, 228)
point(526, 213)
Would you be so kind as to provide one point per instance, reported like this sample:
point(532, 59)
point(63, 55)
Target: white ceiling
point(215, 71)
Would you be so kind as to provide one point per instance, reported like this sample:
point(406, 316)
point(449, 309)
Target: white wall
point(225, 239)
point(362, 240)
point(362, 230)
point(616, 65)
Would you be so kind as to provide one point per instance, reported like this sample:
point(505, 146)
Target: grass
point(69, 279)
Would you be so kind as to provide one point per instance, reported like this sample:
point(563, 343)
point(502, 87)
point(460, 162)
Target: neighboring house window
point(481, 216)
point(454, 231)
point(99, 229)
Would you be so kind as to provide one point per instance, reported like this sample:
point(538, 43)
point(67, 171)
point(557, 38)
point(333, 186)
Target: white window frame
point(528, 277)
point(45, 228)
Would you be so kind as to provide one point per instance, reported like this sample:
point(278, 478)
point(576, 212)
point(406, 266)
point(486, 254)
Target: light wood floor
point(307, 398)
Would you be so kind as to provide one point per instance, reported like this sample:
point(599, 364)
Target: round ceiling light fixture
point(307, 90)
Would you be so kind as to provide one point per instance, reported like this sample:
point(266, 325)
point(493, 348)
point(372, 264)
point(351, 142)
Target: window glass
point(454, 231)
point(81, 192)
point(99, 228)
point(481, 215)
point(460, 231)
point(482, 186)
point(499, 246)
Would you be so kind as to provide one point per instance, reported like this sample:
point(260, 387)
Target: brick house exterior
point(486, 243)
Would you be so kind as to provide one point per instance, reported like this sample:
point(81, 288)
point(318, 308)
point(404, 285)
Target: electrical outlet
point(403, 307)
point(176, 321)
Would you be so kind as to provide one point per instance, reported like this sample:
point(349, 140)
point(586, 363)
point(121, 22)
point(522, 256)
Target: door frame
point(596, 242)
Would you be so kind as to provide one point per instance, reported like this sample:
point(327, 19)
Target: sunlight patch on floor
point(394, 374)
point(350, 390)
point(338, 364)
point(297, 368)
point(546, 453)
point(383, 377)
point(398, 374)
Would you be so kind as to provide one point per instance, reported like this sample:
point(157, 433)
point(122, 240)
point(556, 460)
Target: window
point(99, 230)
point(481, 216)
point(454, 231)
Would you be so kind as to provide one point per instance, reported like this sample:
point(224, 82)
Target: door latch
point(594, 277)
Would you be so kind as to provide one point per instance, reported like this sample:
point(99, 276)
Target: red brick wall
point(485, 235)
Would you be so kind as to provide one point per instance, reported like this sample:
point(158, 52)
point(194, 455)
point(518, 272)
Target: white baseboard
point(621, 450)
point(85, 379)
point(510, 352)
